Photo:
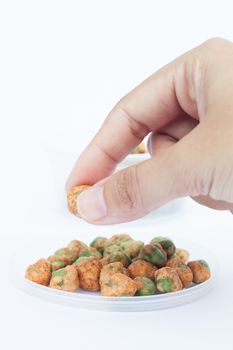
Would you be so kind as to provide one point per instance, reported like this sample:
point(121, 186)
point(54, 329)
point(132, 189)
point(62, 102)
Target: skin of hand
point(187, 108)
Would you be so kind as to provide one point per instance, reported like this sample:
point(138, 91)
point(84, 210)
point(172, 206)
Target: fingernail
point(91, 205)
point(149, 145)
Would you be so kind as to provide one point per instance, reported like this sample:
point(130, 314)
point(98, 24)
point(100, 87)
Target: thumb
point(136, 190)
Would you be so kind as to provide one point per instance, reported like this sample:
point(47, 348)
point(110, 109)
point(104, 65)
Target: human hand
point(187, 107)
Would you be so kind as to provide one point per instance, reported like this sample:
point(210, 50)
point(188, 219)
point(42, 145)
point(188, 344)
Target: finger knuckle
point(214, 43)
point(193, 176)
point(127, 189)
point(220, 186)
point(137, 128)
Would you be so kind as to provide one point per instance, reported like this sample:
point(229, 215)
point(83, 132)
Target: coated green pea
point(166, 244)
point(117, 239)
point(91, 252)
point(200, 270)
point(167, 280)
point(77, 246)
point(111, 249)
point(144, 286)
point(58, 264)
point(81, 258)
point(204, 263)
point(154, 254)
point(121, 257)
point(166, 284)
point(131, 247)
point(60, 272)
point(99, 243)
point(66, 252)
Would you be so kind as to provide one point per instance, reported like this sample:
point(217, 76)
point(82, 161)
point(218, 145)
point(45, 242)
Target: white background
point(63, 65)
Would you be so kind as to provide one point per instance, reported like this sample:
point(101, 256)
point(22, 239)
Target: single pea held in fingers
point(166, 243)
point(167, 280)
point(200, 270)
point(99, 243)
point(140, 149)
point(154, 254)
point(144, 286)
point(72, 197)
point(131, 247)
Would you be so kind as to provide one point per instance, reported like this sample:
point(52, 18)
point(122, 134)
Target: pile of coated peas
point(120, 266)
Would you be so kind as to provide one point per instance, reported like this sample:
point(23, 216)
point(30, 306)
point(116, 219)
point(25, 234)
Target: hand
point(187, 107)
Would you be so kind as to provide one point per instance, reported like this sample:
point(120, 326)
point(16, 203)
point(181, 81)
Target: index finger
point(148, 107)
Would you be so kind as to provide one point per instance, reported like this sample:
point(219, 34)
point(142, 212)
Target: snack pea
point(91, 252)
point(121, 257)
point(200, 270)
point(144, 286)
point(167, 280)
point(154, 254)
point(67, 253)
point(99, 243)
point(131, 247)
point(166, 243)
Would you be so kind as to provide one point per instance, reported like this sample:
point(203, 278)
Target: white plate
point(93, 300)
